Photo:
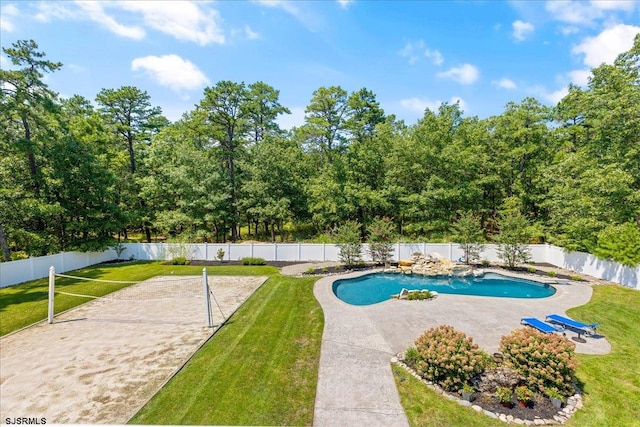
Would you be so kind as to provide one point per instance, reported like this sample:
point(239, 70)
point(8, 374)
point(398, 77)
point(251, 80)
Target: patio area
point(355, 384)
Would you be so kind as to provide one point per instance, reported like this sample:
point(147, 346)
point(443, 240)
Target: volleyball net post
point(52, 285)
point(207, 300)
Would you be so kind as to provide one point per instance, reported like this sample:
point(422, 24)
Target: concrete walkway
point(355, 382)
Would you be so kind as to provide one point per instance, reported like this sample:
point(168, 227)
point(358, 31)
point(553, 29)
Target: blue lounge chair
point(579, 327)
point(540, 325)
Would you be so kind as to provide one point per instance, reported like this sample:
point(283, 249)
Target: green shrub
point(252, 261)
point(448, 357)
point(324, 270)
point(486, 263)
point(620, 243)
point(411, 357)
point(179, 261)
point(531, 269)
point(544, 360)
point(310, 270)
point(420, 295)
point(552, 273)
point(576, 278)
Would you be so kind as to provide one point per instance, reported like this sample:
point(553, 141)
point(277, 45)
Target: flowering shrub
point(545, 360)
point(448, 357)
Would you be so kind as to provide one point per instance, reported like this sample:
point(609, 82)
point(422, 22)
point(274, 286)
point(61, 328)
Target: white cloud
point(251, 35)
point(465, 74)
point(522, 29)
point(413, 51)
point(573, 12)
point(551, 97)
point(419, 105)
point(171, 71)
point(435, 56)
point(184, 20)
point(460, 101)
point(504, 83)
point(95, 12)
point(7, 15)
point(581, 12)
point(344, 3)
point(569, 30)
point(289, 121)
point(606, 46)
point(310, 21)
point(47, 11)
point(579, 77)
point(410, 51)
point(626, 5)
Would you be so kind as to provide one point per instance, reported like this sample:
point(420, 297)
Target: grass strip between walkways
point(261, 368)
point(611, 383)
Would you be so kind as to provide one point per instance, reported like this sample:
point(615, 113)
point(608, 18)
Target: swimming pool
point(378, 287)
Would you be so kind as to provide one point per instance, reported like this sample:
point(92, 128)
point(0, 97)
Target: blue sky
point(412, 54)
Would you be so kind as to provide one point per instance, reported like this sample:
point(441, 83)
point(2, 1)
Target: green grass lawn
point(611, 382)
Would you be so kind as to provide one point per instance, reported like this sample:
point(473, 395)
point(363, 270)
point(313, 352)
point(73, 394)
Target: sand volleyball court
point(100, 362)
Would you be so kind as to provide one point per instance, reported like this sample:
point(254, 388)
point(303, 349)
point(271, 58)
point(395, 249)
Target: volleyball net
point(161, 299)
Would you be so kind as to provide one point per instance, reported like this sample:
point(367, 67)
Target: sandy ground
point(100, 362)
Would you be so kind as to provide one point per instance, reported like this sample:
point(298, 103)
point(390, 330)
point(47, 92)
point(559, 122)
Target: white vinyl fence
point(33, 268)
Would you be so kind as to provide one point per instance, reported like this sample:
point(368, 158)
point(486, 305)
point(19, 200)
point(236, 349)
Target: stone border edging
point(573, 403)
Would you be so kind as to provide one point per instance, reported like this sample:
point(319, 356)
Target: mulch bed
point(540, 407)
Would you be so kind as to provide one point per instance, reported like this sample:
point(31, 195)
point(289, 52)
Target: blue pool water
point(378, 287)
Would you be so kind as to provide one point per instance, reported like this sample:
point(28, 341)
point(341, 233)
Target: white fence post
point(207, 300)
point(52, 284)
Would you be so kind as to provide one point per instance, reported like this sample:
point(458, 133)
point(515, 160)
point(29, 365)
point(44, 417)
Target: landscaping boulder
point(489, 380)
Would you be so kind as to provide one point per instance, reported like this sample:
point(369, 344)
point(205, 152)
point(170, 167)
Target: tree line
point(77, 174)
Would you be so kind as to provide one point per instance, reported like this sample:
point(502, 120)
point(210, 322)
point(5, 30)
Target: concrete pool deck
point(355, 382)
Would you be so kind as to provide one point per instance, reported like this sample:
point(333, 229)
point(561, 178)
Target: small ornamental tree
point(469, 235)
point(348, 240)
point(514, 234)
point(380, 236)
point(544, 360)
point(448, 357)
